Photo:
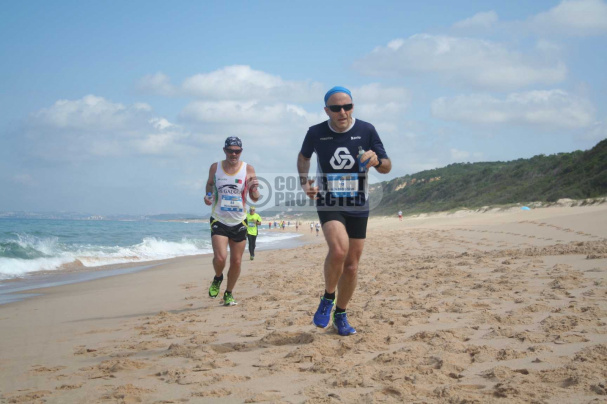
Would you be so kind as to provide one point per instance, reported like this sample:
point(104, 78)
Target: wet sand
point(501, 306)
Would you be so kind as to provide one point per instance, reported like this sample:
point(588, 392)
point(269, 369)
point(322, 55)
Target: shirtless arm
point(210, 184)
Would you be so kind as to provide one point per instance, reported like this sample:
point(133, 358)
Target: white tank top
point(230, 195)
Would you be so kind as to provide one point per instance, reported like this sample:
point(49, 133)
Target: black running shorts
point(235, 233)
point(356, 227)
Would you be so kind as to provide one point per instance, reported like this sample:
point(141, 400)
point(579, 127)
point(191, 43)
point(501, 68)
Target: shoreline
point(16, 289)
point(480, 307)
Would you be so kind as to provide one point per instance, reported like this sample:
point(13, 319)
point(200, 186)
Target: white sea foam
point(53, 245)
point(55, 256)
point(150, 249)
point(15, 267)
point(271, 237)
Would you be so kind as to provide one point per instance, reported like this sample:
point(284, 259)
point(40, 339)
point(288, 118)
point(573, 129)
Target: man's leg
point(236, 250)
point(346, 286)
point(349, 276)
point(220, 253)
point(251, 244)
point(355, 228)
point(338, 242)
point(252, 240)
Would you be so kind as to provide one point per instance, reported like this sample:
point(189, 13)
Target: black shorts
point(356, 227)
point(235, 233)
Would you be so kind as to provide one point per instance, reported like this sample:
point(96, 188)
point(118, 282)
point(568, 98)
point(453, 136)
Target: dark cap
point(233, 141)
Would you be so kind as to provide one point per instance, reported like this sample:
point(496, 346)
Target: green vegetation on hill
point(576, 175)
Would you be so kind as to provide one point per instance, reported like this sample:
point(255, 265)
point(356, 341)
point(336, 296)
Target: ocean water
point(31, 245)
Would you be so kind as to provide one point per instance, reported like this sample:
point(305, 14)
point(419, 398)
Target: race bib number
point(253, 223)
point(340, 185)
point(231, 203)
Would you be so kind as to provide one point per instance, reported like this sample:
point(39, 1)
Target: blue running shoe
point(340, 322)
point(323, 314)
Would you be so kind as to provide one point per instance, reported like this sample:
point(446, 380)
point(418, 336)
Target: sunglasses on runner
point(232, 151)
point(337, 108)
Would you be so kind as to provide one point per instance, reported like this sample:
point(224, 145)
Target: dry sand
point(460, 308)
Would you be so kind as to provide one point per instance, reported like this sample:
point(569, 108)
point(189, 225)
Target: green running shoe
point(214, 289)
point(228, 299)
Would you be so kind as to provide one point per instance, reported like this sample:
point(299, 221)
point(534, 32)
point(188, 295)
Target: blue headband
point(336, 89)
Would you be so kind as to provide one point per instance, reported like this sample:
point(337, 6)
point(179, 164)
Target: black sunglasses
point(337, 108)
point(232, 151)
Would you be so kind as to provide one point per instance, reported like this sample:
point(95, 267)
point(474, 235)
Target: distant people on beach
point(400, 215)
point(345, 149)
point(317, 229)
point(311, 227)
point(230, 180)
point(253, 220)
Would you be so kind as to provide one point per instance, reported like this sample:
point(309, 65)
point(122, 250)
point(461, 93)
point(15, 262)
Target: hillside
point(576, 175)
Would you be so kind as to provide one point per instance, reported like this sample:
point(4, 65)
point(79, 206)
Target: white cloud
point(160, 123)
point(89, 112)
point(237, 82)
point(276, 122)
point(485, 19)
point(461, 61)
point(242, 112)
point(157, 83)
point(258, 106)
point(161, 143)
point(241, 82)
point(76, 130)
point(379, 104)
point(574, 17)
point(550, 109)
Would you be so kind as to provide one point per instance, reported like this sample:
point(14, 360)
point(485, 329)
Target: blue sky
point(121, 107)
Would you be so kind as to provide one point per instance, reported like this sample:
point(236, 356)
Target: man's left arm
point(380, 160)
point(252, 184)
point(384, 167)
point(373, 159)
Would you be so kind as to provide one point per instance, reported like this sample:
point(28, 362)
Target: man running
point(229, 183)
point(253, 220)
point(341, 197)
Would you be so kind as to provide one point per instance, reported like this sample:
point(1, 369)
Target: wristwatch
point(379, 163)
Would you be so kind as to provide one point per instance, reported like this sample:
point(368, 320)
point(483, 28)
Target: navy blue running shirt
point(341, 185)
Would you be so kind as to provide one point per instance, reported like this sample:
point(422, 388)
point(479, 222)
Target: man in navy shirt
point(346, 148)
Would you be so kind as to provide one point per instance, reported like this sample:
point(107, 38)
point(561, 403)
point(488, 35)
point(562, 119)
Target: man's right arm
point(303, 167)
point(210, 183)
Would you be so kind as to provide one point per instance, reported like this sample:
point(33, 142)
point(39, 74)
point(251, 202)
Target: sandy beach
point(501, 306)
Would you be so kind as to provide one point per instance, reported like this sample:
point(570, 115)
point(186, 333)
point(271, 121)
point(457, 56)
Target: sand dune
point(469, 307)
